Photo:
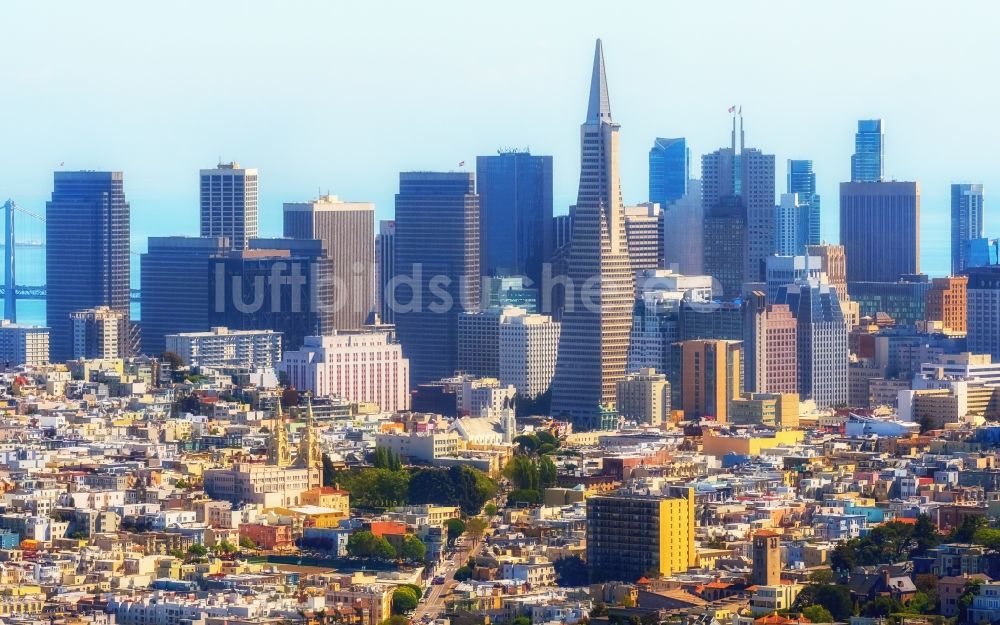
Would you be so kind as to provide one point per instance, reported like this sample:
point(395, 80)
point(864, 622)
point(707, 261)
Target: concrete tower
point(766, 559)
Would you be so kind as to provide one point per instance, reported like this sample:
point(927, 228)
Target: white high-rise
point(22, 344)
point(358, 366)
point(229, 203)
point(528, 347)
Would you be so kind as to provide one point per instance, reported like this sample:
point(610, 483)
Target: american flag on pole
point(461, 163)
point(732, 109)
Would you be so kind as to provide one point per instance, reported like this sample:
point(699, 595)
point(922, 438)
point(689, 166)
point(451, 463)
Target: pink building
point(358, 366)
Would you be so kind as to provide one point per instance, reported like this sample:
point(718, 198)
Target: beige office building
point(644, 397)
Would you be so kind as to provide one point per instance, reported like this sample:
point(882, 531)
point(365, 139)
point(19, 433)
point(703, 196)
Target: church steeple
point(310, 455)
point(278, 453)
point(599, 107)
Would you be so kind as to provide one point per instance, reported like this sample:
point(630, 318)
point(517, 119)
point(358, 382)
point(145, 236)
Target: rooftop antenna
point(741, 128)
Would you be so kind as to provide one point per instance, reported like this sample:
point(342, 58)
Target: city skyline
point(305, 149)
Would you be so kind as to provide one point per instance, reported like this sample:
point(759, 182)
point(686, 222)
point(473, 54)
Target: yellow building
point(328, 497)
point(771, 409)
point(630, 536)
point(715, 444)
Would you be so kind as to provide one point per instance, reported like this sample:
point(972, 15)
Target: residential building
point(222, 347)
point(593, 345)
point(285, 285)
point(419, 446)
point(802, 182)
point(880, 229)
point(515, 214)
point(983, 308)
point(175, 287)
point(23, 344)
point(630, 536)
point(528, 347)
point(711, 375)
point(669, 170)
point(973, 367)
point(945, 304)
point(266, 484)
point(967, 216)
point(229, 203)
point(437, 241)
point(644, 397)
point(385, 268)
point(100, 332)
point(358, 366)
point(644, 235)
point(347, 230)
point(868, 160)
point(87, 260)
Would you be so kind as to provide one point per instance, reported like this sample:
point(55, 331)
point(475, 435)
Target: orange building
point(388, 528)
point(711, 377)
point(267, 536)
point(945, 303)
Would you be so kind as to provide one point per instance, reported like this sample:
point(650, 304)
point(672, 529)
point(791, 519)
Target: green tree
point(822, 576)
point(571, 571)
point(834, 597)
point(455, 527)
point(226, 547)
point(476, 526)
point(527, 442)
point(396, 619)
point(490, 510)
point(173, 359)
point(198, 551)
point(329, 472)
point(547, 438)
point(966, 531)
point(404, 600)
point(523, 473)
point(521, 620)
point(970, 590)
point(521, 495)
point(463, 573)
point(412, 549)
point(817, 614)
point(546, 472)
point(247, 543)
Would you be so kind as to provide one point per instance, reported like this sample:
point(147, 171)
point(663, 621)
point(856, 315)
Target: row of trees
point(364, 544)
point(529, 476)
point(886, 544)
point(389, 484)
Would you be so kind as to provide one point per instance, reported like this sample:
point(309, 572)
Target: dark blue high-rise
point(802, 181)
point(868, 160)
point(515, 214)
point(966, 222)
point(669, 170)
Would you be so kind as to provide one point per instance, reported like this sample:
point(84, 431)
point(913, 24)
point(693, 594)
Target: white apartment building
point(100, 332)
point(420, 446)
point(22, 344)
point(357, 366)
point(964, 366)
point(529, 344)
point(222, 347)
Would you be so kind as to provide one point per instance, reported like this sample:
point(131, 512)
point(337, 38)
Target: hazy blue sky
point(342, 96)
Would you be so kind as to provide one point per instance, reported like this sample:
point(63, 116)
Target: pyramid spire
point(599, 108)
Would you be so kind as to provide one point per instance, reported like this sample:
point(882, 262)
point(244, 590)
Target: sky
point(342, 96)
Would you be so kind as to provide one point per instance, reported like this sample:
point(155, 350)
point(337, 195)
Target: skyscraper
point(802, 181)
point(175, 293)
point(385, 267)
point(229, 203)
point(437, 255)
point(769, 346)
point(644, 235)
point(966, 222)
point(683, 241)
point(669, 170)
point(711, 377)
point(880, 229)
point(867, 162)
point(983, 310)
point(87, 251)
point(791, 226)
point(593, 347)
point(348, 232)
point(515, 214)
point(738, 183)
point(99, 332)
point(724, 245)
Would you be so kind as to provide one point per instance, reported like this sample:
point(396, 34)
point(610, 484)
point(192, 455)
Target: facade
point(769, 347)
point(100, 332)
point(478, 341)
point(867, 162)
point(87, 218)
point(644, 397)
point(437, 239)
point(802, 182)
point(783, 270)
point(357, 366)
point(385, 267)
point(175, 295)
point(515, 214)
point(833, 262)
point(347, 230)
point(266, 484)
point(229, 203)
point(644, 234)
point(504, 291)
point(22, 344)
point(683, 239)
point(283, 285)
point(821, 341)
point(669, 170)
point(983, 252)
point(903, 299)
point(657, 313)
point(791, 225)
point(222, 347)
point(529, 344)
point(983, 306)
point(630, 536)
point(711, 375)
point(966, 222)
point(724, 246)
point(593, 347)
point(880, 229)
point(945, 304)
point(972, 367)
